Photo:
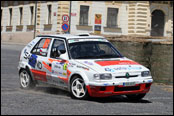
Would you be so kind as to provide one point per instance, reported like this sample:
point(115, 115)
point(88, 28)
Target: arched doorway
point(157, 23)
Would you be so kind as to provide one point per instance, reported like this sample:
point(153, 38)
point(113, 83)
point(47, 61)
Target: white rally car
point(85, 65)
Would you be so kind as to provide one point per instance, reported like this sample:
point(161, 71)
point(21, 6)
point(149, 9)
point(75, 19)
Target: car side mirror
point(60, 51)
point(63, 57)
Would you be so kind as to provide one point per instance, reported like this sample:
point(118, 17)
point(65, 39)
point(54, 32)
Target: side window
point(57, 45)
point(41, 48)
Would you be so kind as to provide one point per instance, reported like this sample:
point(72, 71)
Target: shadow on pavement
point(117, 99)
point(111, 99)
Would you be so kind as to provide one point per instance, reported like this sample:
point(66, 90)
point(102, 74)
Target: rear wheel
point(135, 96)
point(25, 80)
point(78, 88)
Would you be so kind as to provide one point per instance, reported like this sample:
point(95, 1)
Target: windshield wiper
point(107, 56)
point(84, 57)
point(99, 56)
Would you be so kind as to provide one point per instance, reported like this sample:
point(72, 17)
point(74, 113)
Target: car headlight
point(145, 73)
point(105, 76)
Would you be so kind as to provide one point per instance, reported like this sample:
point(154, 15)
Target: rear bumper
point(104, 91)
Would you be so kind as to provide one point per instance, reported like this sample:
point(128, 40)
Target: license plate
point(129, 84)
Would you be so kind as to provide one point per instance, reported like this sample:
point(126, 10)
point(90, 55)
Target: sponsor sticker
point(39, 65)
point(26, 54)
point(82, 67)
point(56, 66)
point(120, 68)
point(109, 69)
point(89, 63)
point(30, 44)
point(32, 60)
point(65, 66)
point(128, 68)
point(123, 62)
point(82, 40)
point(72, 41)
point(71, 65)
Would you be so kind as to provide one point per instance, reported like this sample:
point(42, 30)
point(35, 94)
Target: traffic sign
point(65, 27)
point(65, 18)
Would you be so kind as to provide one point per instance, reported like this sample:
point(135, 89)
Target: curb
point(12, 43)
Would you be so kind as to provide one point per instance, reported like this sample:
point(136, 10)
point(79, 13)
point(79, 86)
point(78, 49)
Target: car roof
point(70, 36)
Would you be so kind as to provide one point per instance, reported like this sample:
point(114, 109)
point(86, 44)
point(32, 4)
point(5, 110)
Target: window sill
point(84, 27)
point(19, 27)
point(147, 30)
point(47, 27)
point(169, 31)
point(9, 28)
point(30, 27)
point(112, 29)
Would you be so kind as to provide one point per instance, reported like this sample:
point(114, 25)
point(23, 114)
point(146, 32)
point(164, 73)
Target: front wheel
point(135, 96)
point(78, 88)
point(25, 80)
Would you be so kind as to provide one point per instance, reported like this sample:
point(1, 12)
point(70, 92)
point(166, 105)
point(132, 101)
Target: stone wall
point(156, 56)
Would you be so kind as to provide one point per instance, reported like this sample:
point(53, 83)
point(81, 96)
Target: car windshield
point(93, 50)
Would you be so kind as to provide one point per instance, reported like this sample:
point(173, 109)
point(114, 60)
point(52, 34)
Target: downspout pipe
point(70, 17)
point(35, 20)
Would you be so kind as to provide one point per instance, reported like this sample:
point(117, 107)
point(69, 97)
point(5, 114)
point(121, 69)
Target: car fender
point(26, 66)
point(81, 74)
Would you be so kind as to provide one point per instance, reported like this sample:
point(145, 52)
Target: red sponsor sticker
point(123, 62)
point(39, 75)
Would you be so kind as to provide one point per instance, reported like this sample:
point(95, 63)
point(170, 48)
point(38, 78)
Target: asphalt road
point(47, 100)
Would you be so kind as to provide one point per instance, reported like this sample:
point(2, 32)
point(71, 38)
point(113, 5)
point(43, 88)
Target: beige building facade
point(22, 20)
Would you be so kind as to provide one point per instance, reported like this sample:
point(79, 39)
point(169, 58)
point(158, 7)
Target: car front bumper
point(109, 89)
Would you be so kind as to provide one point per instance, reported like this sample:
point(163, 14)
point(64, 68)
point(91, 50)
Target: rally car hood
point(112, 65)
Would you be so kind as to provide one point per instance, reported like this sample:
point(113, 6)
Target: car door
point(41, 68)
point(58, 66)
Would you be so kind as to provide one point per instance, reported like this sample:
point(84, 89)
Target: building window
point(49, 14)
point(21, 15)
point(10, 18)
point(84, 11)
point(32, 15)
point(112, 17)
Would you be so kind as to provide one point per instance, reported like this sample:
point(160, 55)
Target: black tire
point(135, 97)
point(83, 95)
point(25, 80)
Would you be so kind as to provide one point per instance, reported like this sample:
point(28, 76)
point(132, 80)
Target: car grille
point(126, 77)
point(131, 88)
